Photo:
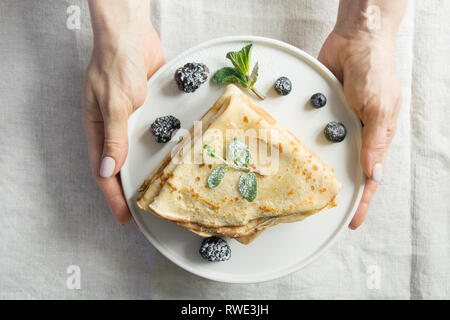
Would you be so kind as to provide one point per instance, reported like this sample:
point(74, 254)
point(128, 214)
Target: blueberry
point(163, 128)
point(191, 76)
point(215, 249)
point(318, 100)
point(335, 131)
point(283, 86)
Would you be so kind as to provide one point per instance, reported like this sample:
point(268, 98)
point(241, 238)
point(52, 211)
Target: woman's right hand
point(361, 56)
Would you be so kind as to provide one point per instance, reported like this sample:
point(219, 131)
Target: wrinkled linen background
point(54, 216)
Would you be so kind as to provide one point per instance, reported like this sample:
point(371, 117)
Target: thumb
point(376, 138)
point(115, 145)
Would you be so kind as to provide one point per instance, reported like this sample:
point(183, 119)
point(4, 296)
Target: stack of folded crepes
point(292, 183)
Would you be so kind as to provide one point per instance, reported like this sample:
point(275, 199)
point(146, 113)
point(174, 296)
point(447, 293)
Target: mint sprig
point(240, 159)
point(235, 163)
point(240, 74)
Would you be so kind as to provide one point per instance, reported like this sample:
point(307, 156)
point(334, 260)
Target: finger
point(115, 144)
point(111, 187)
point(363, 207)
point(376, 138)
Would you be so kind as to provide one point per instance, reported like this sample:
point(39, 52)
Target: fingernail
point(107, 167)
point(377, 172)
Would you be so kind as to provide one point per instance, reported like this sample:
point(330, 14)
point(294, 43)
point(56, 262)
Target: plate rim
point(268, 276)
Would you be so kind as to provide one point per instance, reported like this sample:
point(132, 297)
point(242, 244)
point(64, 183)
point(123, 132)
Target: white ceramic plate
point(284, 248)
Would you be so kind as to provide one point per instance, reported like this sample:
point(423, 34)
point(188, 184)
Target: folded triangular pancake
point(295, 186)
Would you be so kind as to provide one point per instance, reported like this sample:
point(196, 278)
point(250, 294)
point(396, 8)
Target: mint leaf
point(254, 75)
point(230, 75)
point(241, 59)
point(248, 186)
point(216, 176)
point(239, 153)
point(234, 79)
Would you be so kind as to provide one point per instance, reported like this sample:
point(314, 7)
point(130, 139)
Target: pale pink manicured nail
point(377, 172)
point(107, 167)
